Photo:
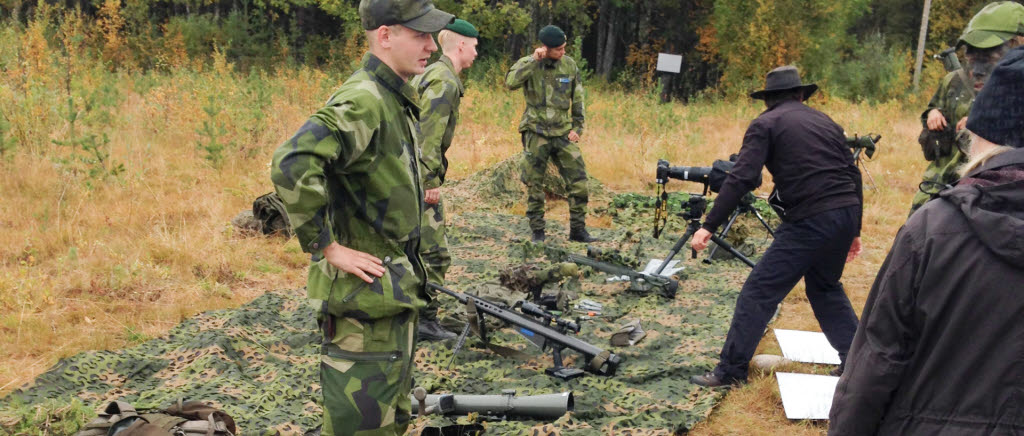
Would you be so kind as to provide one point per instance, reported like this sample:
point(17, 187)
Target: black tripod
point(746, 206)
point(694, 211)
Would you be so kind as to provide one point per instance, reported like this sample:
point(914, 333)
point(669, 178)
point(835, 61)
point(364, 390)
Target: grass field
point(106, 241)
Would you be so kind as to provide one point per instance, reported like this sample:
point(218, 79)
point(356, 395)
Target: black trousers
point(814, 249)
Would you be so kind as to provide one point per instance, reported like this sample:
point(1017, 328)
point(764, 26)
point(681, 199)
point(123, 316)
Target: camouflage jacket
point(953, 99)
point(351, 175)
point(552, 89)
point(440, 91)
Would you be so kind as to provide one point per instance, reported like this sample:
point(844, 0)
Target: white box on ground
point(669, 63)
point(806, 396)
point(807, 347)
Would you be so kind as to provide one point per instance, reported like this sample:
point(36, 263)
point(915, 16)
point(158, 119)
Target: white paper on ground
point(806, 396)
point(807, 347)
point(653, 264)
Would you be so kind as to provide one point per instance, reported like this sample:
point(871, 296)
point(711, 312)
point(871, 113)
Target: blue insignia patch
point(563, 79)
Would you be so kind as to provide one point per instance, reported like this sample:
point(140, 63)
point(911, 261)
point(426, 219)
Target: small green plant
point(211, 132)
point(51, 417)
point(6, 144)
point(134, 336)
point(89, 151)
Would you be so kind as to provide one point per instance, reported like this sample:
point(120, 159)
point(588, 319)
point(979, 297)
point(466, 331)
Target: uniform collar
point(383, 74)
point(451, 66)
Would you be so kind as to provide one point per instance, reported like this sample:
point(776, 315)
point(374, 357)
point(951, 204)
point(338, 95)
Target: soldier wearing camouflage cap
point(351, 184)
point(552, 125)
point(440, 91)
point(993, 31)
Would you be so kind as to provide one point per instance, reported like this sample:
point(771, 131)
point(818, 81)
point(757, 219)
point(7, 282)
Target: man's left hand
point(573, 136)
point(700, 240)
point(432, 196)
point(855, 249)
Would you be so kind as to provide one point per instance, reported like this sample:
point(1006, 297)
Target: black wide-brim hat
point(785, 78)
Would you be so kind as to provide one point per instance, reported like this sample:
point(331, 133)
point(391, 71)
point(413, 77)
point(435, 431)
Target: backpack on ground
point(184, 418)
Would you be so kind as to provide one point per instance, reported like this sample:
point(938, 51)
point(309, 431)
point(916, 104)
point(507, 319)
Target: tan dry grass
point(85, 269)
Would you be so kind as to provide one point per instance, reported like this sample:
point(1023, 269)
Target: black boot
point(710, 380)
point(580, 235)
point(538, 236)
point(430, 331)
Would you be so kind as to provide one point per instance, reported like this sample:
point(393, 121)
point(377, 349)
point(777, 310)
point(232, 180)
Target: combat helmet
point(995, 24)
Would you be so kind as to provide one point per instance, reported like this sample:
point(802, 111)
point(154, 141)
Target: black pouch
point(936, 144)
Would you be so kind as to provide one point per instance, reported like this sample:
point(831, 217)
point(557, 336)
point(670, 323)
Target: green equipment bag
point(185, 418)
point(268, 210)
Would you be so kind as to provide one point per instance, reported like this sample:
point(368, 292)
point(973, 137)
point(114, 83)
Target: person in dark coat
point(818, 195)
point(940, 347)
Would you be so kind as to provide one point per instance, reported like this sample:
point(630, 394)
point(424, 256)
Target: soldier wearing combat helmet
point(350, 181)
point(552, 125)
point(993, 31)
point(440, 91)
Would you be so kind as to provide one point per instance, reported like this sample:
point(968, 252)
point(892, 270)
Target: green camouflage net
point(258, 362)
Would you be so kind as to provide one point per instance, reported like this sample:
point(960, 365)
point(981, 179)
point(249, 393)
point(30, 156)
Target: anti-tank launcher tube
point(504, 406)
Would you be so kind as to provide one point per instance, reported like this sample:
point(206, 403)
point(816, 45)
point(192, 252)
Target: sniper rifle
point(598, 361)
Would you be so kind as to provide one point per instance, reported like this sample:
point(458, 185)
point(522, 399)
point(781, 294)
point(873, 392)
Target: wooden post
point(920, 43)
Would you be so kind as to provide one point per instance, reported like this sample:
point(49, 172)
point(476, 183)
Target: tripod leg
point(691, 228)
point(725, 231)
point(763, 222)
point(734, 252)
point(868, 173)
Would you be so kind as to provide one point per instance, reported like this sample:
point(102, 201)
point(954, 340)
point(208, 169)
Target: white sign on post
point(669, 63)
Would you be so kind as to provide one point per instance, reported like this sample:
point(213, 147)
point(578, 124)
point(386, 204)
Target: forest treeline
point(856, 49)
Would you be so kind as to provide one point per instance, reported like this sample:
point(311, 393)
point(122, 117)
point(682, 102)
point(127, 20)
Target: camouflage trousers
point(434, 251)
point(537, 151)
point(942, 170)
point(366, 374)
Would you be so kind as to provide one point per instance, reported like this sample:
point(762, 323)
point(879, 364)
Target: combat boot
point(710, 380)
point(430, 330)
point(538, 236)
point(581, 235)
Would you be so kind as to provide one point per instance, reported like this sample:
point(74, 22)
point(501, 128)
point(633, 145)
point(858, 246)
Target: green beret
point(463, 27)
point(551, 36)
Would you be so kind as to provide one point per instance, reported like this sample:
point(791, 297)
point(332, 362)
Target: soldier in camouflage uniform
point(440, 91)
point(350, 181)
point(989, 35)
point(554, 92)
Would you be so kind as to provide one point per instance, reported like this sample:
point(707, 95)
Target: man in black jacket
point(940, 346)
point(818, 196)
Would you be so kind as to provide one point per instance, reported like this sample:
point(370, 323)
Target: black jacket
point(806, 152)
point(940, 346)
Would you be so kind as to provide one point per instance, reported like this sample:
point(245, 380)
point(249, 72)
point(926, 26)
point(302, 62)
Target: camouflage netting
point(259, 362)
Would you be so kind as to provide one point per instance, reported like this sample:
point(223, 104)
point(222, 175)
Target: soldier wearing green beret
point(440, 91)
point(992, 32)
point(552, 125)
point(350, 181)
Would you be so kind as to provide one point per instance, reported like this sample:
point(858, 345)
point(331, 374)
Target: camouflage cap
point(418, 15)
point(994, 25)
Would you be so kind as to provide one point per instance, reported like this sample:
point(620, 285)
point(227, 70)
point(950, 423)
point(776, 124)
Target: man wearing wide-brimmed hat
point(817, 195)
point(350, 181)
